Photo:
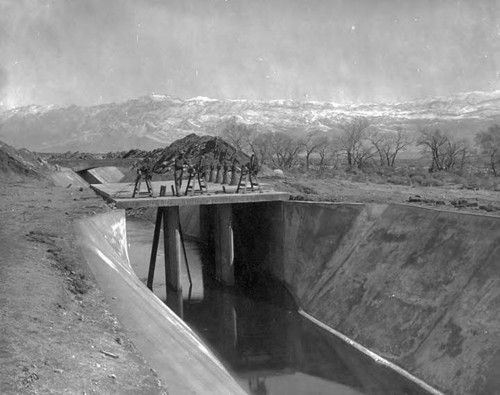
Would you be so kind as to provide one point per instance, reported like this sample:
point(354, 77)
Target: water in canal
point(257, 333)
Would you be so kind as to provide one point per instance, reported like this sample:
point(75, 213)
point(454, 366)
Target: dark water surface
point(257, 333)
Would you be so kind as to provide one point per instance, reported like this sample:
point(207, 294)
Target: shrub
point(432, 182)
point(398, 180)
point(358, 177)
point(417, 179)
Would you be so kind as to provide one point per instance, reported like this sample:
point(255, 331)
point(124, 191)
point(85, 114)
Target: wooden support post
point(137, 185)
point(154, 248)
point(156, 239)
point(243, 181)
point(149, 184)
point(224, 245)
point(172, 242)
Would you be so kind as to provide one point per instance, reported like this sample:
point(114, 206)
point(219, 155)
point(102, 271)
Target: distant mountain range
point(157, 120)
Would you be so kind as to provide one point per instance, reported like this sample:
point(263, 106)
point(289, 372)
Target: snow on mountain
point(201, 99)
point(156, 120)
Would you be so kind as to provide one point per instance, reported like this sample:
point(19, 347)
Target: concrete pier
point(173, 247)
point(224, 244)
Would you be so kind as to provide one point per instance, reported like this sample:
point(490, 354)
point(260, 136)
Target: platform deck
point(121, 195)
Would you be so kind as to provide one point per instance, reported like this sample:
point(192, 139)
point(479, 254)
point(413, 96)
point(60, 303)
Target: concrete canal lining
point(181, 359)
point(416, 286)
point(419, 287)
point(102, 175)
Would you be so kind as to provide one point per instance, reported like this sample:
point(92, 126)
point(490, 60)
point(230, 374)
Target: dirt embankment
point(449, 197)
point(56, 333)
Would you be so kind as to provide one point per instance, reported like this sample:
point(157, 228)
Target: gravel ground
point(56, 332)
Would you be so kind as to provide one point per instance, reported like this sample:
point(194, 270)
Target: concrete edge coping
point(377, 358)
point(486, 214)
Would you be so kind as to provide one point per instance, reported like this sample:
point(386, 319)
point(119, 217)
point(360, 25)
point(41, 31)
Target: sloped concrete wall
point(67, 178)
point(181, 359)
point(417, 286)
point(106, 174)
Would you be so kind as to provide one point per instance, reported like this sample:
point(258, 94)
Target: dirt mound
point(214, 149)
point(20, 163)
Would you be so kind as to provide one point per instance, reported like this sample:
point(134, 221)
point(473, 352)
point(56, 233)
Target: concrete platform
point(121, 195)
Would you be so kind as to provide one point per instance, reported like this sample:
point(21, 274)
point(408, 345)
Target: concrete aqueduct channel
point(415, 287)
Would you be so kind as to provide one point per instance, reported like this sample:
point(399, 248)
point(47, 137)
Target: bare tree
point(434, 143)
point(488, 143)
point(285, 150)
point(458, 152)
point(353, 141)
point(311, 142)
point(260, 144)
point(389, 144)
point(325, 150)
point(446, 153)
point(236, 133)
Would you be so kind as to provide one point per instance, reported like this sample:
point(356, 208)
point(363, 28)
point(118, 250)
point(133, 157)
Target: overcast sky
point(87, 52)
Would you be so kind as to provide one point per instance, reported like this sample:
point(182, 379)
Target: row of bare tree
point(448, 153)
point(357, 144)
point(353, 141)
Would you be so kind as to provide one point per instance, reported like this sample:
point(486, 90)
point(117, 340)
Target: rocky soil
point(56, 332)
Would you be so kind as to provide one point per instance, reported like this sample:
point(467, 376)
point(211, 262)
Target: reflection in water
point(255, 330)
